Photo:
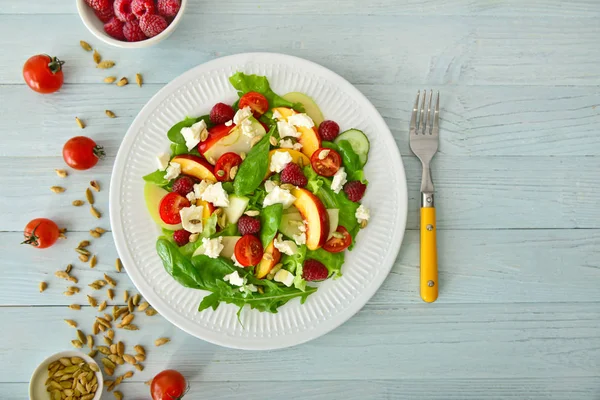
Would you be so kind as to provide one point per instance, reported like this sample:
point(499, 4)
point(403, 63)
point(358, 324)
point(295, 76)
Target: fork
point(424, 140)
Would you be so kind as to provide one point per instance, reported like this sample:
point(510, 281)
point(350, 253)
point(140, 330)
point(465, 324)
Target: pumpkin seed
point(143, 306)
point(118, 265)
point(80, 123)
point(89, 196)
point(78, 203)
point(111, 334)
point(96, 186)
point(77, 343)
point(120, 348)
point(107, 317)
point(92, 301)
point(151, 312)
point(273, 141)
point(43, 286)
point(136, 299)
point(161, 341)
point(110, 114)
point(107, 340)
point(126, 320)
point(85, 252)
point(93, 261)
point(108, 363)
point(57, 189)
point(109, 371)
point(148, 382)
point(73, 289)
point(101, 321)
point(363, 223)
point(102, 306)
point(65, 361)
point(104, 350)
point(98, 229)
point(81, 336)
point(94, 234)
point(252, 213)
point(61, 173)
point(128, 374)
point(110, 79)
point(85, 45)
point(83, 258)
point(106, 64)
point(130, 304)
point(243, 155)
point(140, 357)
point(139, 367)
point(95, 212)
point(233, 172)
point(194, 237)
point(139, 349)
point(96, 328)
point(94, 367)
point(138, 79)
point(110, 280)
point(93, 353)
point(204, 135)
point(113, 348)
point(122, 82)
point(90, 341)
point(288, 186)
point(76, 360)
point(73, 279)
point(97, 57)
point(75, 307)
point(129, 359)
point(68, 293)
point(95, 286)
point(110, 293)
point(71, 323)
point(131, 327)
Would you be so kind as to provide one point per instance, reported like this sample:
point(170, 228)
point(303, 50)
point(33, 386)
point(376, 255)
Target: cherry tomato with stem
point(43, 73)
point(41, 233)
point(339, 242)
point(168, 385)
point(224, 165)
point(169, 208)
point(81, 153)
point(256, 101)
point(248, 250)
point(326, 162)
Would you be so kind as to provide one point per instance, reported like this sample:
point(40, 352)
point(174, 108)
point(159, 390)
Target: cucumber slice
point(310, 107)
point(359, 142)
point(237, 206)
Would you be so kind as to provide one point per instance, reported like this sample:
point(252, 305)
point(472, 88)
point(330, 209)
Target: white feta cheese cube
point(216, 195)
point(212, 247)
point(339, 180)
point(362, 214)
point(277, 115)
point(191, 197)
point(193, 133)
point(199, 188)
point(173, 171)
point(279, 195)
point(284, 277)
point(241, 115)
point(236, 262)
point(301, 120)
point(269, 186)
point(234, 278)
point(289, 144)
point(191, 218)
point(279, 160)
point(287, 130)
point(285, 246)
point(162, 161)
point(300, 239)
point(248, 128)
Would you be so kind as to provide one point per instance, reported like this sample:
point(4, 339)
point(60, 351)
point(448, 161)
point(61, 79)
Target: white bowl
point(97, 28)
point(37, 387)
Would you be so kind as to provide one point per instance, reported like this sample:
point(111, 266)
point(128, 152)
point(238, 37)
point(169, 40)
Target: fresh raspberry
point(123, 10)
point(152, 24)
point(292, 173)
point(221, 113)
point(183, 185)
point(143, 7)
point(328, 130)
point(168, 8)
point(248, 225)
point(355, 190)
point(314, 270)
point(181, 237)
point(106, 14)
point(114, 28)
point(99, 5)
point(132, 32)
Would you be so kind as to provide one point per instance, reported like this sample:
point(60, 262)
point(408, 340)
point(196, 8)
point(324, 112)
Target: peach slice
point(309, 137)
point(195, 166)
point(266, 264)
point(316, 217)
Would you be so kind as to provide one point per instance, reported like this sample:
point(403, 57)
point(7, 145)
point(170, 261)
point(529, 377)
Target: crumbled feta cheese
point(288, 144)
point(234, 278)
point(277, 115)
point(173, 171)
point(284, 277)
point(269, 186)
point(285, 246)
point(192, 134)
point(339, 179)
point(301, 120)
point(236, 262)
point(248, 128)
point(362, 214)
point(191, 218)
point(300, 239)
point(279, 195)
point(162, 160)
point(216, 195)
point(199, 189)
point(249, 287)
point(229, 123)
point(279, 160)
point(241, 115)
point(212, 247)
point(323, 154)
point(286, 129)
point(191, 197)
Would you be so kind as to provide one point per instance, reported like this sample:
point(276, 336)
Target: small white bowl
point(96, 26)
point(37, 387)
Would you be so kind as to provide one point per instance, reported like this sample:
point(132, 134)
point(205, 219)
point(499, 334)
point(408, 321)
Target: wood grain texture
point(466, 50)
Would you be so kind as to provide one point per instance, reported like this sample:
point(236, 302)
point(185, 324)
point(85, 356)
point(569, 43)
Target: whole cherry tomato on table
point(41, 233)
point(82, 152)
point(168, 385)
point(43, 73)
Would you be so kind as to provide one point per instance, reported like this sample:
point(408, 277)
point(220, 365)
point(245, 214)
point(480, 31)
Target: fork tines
point(423, 115)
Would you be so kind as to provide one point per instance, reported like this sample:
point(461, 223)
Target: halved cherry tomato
point(41, 233)
point(248, 250)
point(224, 165)
point(214, 134)
point(169, 208)
point(338, 244)
point(256, 101)
point(326, 165)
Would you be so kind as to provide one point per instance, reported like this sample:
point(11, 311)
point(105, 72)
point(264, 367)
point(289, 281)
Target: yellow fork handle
point(429, 268)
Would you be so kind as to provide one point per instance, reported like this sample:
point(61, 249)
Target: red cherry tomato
point(340, 243)
point(41, 233)
point(224, 165)
point(82, 152)
point(329, 164)
point(215, 133)
point(43, 73)
point(248, 250)
point(256, 101)
point(169, 208)
point(168, 385)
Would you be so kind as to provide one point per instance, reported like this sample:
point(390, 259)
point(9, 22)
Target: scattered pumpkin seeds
point(161, 341)
point(118, 395)
point(43, 286)
point(73, 279)
point(110, 79)
point(77, 343)
point(95, 212)
point(93, 354)
point(139, 80)
point(110, 293)
point(110, 280)
point(120, 348)
point(128, 374)
point(96, 186)
point(90, 341)
point(57, 189)
point(126, 320)
point(71, 323)
point(96, 328)
point(68, 293)
point(140, 357)
point(102, 306)
point(106, 64)
point(73, 289)
point(110, 334)
point(80, 123)
point(131, 327)
point(110, 114)
point(83, 258)
point(143, 306)
point(151, 312)
point(81, 336)
point(61, 274)
point(129, 359)
point(78, 203)
point(139, 367)
point(125, 294)
point(75, 307)
point(97, 57)
point(104, 350)
point(92, 301)
point(85, 45)
point(113, 348)
point(61, 173)
point(130, 305)
point(136, 299)
point(93, 261)
point(122, 82)
point(83, 244)
point(139, 349)
point(118, 265)
point(94, 234)
point(84, 252)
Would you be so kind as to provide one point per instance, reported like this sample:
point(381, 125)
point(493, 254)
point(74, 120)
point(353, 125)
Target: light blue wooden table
point(517, 177)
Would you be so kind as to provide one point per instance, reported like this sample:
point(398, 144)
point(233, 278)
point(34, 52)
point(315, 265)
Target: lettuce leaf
point(333, 261)
point(350, 160)
point(254, 83)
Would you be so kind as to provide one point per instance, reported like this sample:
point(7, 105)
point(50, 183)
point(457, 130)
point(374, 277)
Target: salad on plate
point(258, 201)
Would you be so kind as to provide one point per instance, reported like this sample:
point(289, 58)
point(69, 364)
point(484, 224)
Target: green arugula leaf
point(179, 267)
point(294, 264)
point(254, 83)
point(254, 168)
point(270, 218)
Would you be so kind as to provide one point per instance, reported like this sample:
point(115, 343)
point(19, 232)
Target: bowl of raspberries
point(131, 23)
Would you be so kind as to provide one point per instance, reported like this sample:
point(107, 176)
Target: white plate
point(366, 267)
